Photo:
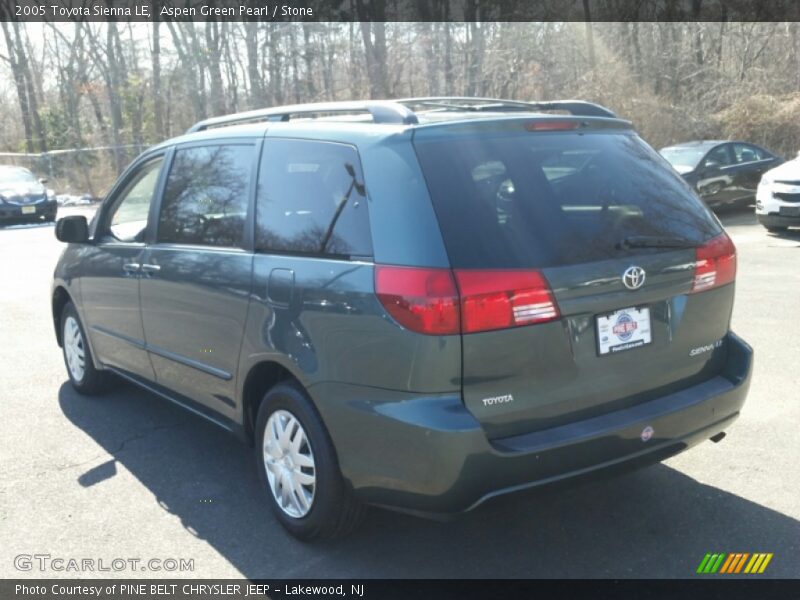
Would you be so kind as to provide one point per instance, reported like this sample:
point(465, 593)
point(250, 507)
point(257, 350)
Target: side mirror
point(43, 180)
point(73, 230)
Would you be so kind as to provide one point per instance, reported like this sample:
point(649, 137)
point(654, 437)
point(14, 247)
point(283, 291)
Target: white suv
point(778, 197)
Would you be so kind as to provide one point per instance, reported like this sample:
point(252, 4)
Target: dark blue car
point(722, 173)
point(23, 197)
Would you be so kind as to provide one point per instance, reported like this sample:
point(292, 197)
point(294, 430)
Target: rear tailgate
point(562, 205)
point(555, 372)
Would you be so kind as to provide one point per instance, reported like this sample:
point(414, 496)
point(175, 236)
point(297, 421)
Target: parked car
point(722, 173)
point(417, 304)
point(75, 199)
point(23, 197)
point(778, 197)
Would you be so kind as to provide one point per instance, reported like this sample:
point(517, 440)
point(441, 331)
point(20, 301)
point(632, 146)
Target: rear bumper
point(15, 212)
point(774, 220)
point(429, 455)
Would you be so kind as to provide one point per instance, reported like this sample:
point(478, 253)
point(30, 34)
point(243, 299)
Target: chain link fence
point(75, 172)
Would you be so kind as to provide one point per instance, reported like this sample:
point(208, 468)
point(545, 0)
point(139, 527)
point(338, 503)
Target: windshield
point(683, 156)
point(16, 175)
point(534, 200)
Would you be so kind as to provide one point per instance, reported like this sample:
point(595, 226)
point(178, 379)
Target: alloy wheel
point(289, 462)
point(74, 349)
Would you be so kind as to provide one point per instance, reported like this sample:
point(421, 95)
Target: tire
point(773, 229)
point(330, 510)
point(83, 375)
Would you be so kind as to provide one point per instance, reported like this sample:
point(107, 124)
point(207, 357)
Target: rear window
point(535, 200)
point(684, 157)
point(205, 202)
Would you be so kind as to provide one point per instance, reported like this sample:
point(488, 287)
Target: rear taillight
point(422, 300)
point(715, 264)
point(429, 301)
point(501, 299)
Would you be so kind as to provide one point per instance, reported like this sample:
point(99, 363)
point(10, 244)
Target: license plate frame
point(623, 330)
point(28, 210)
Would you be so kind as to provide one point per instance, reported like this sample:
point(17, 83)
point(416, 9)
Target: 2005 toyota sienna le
point(417, 304)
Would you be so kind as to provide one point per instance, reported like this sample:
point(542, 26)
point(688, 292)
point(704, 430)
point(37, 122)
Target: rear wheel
point(83, 375)
point(774, 229)
point(298, 468)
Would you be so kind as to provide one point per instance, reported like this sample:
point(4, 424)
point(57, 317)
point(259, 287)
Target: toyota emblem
point(633, 278)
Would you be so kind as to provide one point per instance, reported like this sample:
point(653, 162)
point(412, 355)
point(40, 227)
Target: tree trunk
point(257, 96)
point(158, 100)
point(23, 65)
point(113, 78)
point(189, 56)
point(589, 34)
point(213, 61)
point(19, 82)
point(449, 84)
point(373, 34)
point(308, 59)
point(275, 66)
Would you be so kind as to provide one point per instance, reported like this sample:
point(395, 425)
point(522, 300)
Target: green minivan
point(417, 304)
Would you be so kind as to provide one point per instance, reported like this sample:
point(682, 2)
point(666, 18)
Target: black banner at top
point(399, 10)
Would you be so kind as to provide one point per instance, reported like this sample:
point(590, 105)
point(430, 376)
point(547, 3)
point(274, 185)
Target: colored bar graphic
point(765, 563)
point(727, 565)
point(740, 564)
point(703, 563)
point(716, 563)
point(734, 563)
point(751, 564)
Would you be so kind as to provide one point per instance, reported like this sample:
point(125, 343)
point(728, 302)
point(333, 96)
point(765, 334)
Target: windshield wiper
point(354, 185)
point(651, 241)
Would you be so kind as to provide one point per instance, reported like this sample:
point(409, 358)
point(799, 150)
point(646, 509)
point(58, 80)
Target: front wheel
point(298, 468)
point(83, 375)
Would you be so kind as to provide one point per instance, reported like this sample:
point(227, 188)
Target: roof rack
point(457, 103)
point(400, 111)
point(381, 111)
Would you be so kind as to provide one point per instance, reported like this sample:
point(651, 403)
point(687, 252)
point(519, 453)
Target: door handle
point(151, 268)
point(131, 267)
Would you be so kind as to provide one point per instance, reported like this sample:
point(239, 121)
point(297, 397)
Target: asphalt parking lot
point(128, 475)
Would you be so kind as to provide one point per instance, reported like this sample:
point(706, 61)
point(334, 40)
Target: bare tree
point(115, 84)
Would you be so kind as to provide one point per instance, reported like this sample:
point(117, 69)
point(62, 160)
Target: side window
point(746, 153)
point(127, 220)
point(719, 157)
point(205, 200)
point(311, 199)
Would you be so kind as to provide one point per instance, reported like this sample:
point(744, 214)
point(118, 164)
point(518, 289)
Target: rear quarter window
point(535, 200)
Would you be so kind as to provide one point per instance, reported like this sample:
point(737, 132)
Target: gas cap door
point(280, 287)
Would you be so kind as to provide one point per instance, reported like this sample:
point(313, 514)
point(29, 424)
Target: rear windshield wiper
point(650, 241)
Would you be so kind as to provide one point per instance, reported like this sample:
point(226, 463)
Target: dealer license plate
point(623, 329)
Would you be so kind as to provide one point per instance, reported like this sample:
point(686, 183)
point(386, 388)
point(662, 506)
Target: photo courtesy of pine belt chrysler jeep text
point(417, 304)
